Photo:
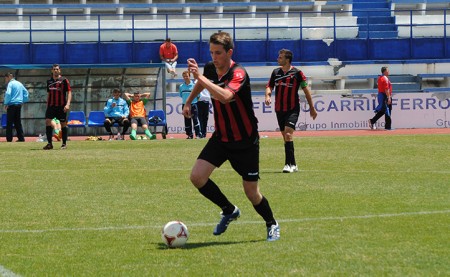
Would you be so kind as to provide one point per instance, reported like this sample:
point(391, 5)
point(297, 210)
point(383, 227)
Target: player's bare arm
point(127, 96)
point(216, 92)
point(268, 99)
point(312, 110)
point(69, 100)
point(389, 96)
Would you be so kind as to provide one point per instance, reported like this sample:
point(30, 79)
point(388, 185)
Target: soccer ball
point(175, 234)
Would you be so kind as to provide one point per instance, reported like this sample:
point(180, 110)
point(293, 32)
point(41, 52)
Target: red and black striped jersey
point(57, 91)
point(234, 121)
point(286, 86)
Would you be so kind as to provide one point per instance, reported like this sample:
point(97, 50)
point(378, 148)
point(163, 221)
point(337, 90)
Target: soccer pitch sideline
point(359, 206)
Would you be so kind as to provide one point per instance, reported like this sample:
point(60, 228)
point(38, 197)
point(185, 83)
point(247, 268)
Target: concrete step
point(376, 20)
point(378, 27)
point(378, 34)
point(404, 78)
point(372, 12)
point(370, 5)
point(405, 87)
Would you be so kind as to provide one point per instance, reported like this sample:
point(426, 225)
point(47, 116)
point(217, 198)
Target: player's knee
point(253, 194)
point(288, 136)
point(197, 180)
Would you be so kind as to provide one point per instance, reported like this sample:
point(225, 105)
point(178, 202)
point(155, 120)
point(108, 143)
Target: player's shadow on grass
point(273, 172)
point(196, 245)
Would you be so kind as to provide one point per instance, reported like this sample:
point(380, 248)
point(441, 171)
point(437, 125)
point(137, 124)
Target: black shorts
point(139, 121)
point(287, 119)
point(56, 112)
point(243, 156)
point(118, 120)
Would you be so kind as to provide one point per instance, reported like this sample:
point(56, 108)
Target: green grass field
point(359, 206)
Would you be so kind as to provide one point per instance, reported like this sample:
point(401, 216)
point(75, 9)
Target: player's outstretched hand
point(193, 67)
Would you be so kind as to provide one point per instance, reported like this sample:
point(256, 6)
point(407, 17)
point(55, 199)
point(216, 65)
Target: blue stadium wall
point(246, 51)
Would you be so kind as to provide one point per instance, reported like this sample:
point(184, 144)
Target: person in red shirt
point(235, 138)
point(384, 101)
point(168, 53)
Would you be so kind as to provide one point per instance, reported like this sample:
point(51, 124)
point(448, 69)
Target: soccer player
point(286, 81)
point(59, 96)
point(235, 138)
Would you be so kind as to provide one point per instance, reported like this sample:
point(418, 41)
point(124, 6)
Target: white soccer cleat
point(287, 169)
point(290, 168)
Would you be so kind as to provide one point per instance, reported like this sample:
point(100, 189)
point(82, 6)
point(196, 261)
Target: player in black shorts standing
point(287, 80)
point(235, 138)
point(58, 105)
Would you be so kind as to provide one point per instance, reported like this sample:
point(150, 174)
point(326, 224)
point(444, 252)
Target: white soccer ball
point(175, 234)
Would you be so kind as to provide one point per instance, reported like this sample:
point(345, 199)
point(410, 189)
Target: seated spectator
point(116, 111)
point(168, 53)
point(138, 114)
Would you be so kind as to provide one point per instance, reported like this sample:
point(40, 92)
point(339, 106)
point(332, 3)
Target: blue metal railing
point(128, 38)
point(244, 26)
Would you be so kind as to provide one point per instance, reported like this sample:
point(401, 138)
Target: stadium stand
point(51, 7)
point(421, 7)
point(359, 35)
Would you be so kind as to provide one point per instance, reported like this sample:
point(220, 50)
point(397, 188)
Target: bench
point(420, 5)
point(364, 91)
point(340, 80)
point(446, 77)
point(121, 8)
point(439, 89)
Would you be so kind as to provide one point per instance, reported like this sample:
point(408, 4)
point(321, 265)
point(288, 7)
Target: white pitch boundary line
point(261, 170)
point(4, 272)
point(135, 227)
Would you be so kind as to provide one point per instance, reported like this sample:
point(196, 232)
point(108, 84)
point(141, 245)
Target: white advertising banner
point(336, 112)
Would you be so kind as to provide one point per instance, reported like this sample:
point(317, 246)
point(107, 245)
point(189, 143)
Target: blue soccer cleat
point(225, 220)
point(273, 232)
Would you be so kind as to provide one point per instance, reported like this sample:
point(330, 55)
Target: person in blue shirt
point(116, 111)
point(185, 91)
point(15, 96)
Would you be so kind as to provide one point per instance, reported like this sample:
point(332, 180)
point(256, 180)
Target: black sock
point(49, 133)
point(211, 191)
point(264, 210)
point(286, 153)
point(289, 152)
point(64, 134)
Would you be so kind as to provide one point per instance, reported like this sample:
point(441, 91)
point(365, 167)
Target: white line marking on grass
point(262, 170)
point(136, 227)
point(4, 272)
